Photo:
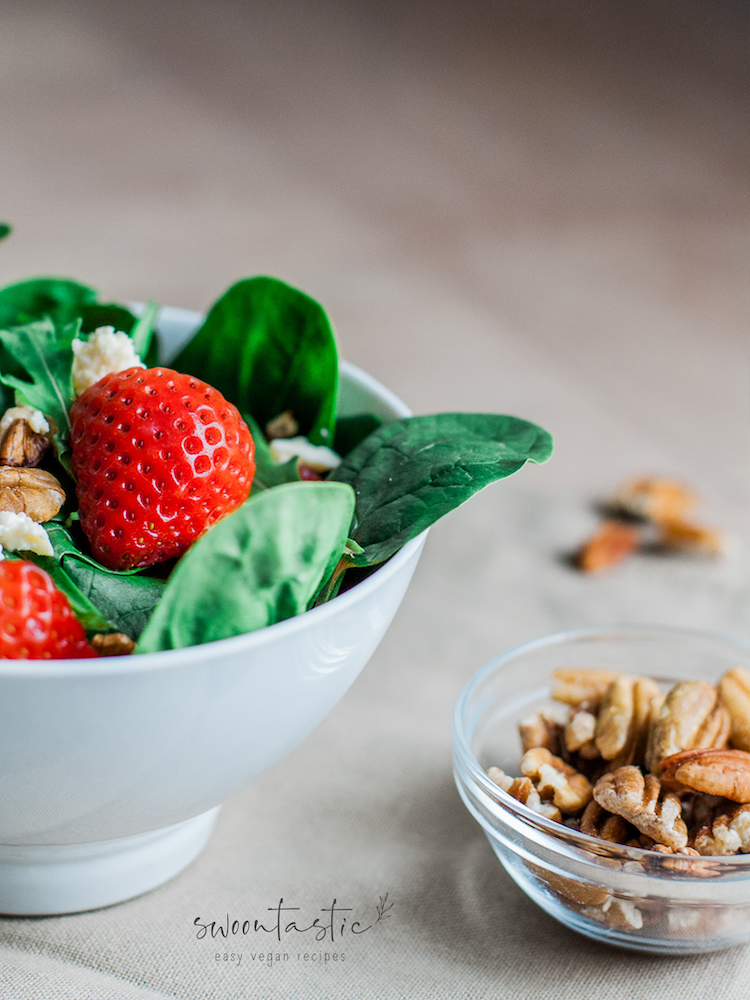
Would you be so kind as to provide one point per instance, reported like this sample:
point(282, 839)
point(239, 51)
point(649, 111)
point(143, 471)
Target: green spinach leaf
point(140, 330)
point(411, 472)
point(267, 472)
point(269, 348)
point(260, 565)
point(5, 230)
point(124, 599)
point(85, 611)
point(36, 298)
point(96, 314)
point(144, 335)
point(350, 431)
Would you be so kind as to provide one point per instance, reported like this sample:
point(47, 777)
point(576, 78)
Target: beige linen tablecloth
point(535, 208)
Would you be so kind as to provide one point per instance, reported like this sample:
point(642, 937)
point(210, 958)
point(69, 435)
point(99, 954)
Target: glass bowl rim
point(557, 836)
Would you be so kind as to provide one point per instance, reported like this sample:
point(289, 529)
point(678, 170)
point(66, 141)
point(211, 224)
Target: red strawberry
point(159, 457)
point(36, 620)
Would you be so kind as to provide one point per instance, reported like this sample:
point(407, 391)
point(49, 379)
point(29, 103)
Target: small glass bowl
point(637, 899)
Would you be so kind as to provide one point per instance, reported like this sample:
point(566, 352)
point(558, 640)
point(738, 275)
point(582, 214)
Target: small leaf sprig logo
point(383, 907)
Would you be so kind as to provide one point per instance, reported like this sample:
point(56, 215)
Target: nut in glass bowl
point(639, 899)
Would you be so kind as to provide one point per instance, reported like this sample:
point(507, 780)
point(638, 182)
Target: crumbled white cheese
point(34, 418)
point(19, 533)
point(317, 456)
point(105, 351)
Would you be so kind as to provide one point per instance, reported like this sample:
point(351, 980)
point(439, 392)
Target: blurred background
point(537, 207)
point(532, 207)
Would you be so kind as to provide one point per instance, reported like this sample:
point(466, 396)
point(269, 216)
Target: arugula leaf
point(409, 473)
point(269, 348)
point(5, 230)
point(36, 298)
point(124, 599)
point(44, 352)
point(260, 565)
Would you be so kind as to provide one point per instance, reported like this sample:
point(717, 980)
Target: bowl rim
point(558, 836)
point(120, 666)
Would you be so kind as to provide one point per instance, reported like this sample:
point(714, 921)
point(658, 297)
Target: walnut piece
point(283, 426)
point(691, 717)
point(713, 771)
point(33, 492)
point(556, 780)
point(728, 832)
point(21, 446)
point(580, 686)
point(682, 536)
point(523, 790)
point(611, 544)
point(544, 728)
point(642, 802)
point(654, 499)
point(734, 688)
point(112, 644)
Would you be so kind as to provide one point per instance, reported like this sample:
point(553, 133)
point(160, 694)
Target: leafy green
point(44, 352)
point(36, 298)
point(144, 335)
point(124, 599)
point(410, 473)
point(267, 472)
point(260, 565)
point(96, 314)
point(5, 230)
point(350, 431)
point(269, 348)
point(85, 611)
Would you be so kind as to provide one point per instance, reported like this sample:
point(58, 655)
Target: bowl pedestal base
point(46, 879)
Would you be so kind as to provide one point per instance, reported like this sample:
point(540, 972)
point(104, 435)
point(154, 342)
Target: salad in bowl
point(147, 506)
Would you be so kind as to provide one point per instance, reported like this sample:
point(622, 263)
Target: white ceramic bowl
point(113, 770)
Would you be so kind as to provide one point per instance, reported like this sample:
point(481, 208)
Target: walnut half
point(33, 492)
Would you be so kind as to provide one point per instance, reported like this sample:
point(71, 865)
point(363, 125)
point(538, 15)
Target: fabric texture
point(367, 806)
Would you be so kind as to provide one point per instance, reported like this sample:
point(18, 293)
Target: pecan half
point(581, 685)
point(642, 802)
point(734, 688)
point(713, 771)
point(556, 780)
point(627, 711)
point(613, 542)
point(579, 735)
point(523, 790)
point(728, 832)
point(597, 822)
point(30, 491)
point(691, 717)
